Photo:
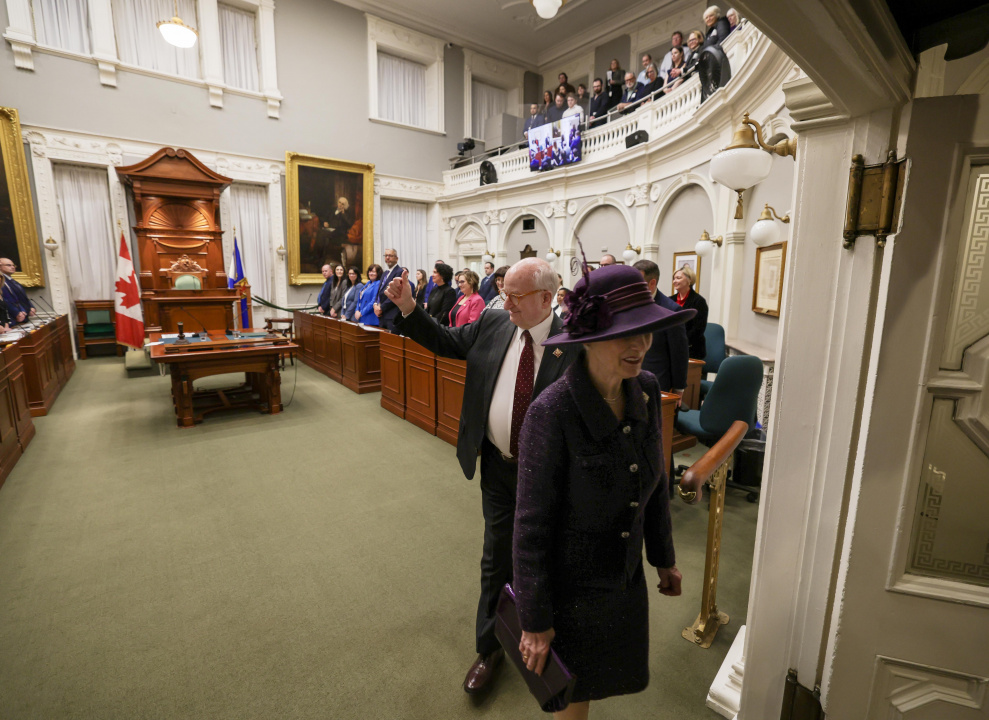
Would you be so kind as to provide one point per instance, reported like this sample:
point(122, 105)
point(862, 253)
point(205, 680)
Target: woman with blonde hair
point(685, 296)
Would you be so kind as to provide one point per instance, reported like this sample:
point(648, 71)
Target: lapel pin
point(558, 353)
point(645, 396)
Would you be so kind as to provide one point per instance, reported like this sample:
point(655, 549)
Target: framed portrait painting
point(330, 209)
point(691, 260)
point(767, 295)
point(18, 231)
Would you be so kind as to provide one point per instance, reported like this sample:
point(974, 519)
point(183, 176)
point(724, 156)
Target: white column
point(824, 325)
point(276, 223)
point(727, 301)
point(639, 234)
point(211, 50)
point(266, 55)
point(104, 41)
point(20, 33)
point(51, 225)
point(726, 690)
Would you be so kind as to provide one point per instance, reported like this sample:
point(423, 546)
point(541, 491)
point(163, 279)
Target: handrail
point(698, 474)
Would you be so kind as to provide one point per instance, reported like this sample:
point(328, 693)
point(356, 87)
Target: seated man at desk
point(19, 307)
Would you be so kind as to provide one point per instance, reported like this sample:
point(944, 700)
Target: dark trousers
point(499, 481)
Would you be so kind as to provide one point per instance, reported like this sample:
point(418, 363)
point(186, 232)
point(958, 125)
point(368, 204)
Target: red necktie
point(523, 390)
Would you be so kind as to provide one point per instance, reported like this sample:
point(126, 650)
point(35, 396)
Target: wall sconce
point(874, 196)
point(630, 253)
point(765, 231)
point(487, 257)
point(281, 251)
point(746, 162)
point(705, 246)
point(51, 245)
point(552, 255)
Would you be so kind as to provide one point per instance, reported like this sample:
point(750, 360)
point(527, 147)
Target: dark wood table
point(257, 358)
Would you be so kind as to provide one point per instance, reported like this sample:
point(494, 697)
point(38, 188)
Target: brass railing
point(712, 470)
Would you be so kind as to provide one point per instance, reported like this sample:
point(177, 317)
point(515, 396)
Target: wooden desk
point(420, 386)
point(392, 357)
point(48, 363)
point(450, 378)
point(16, 426)
point(692, 393)
point(165, 309)
point(360, 357)
point(257, 359)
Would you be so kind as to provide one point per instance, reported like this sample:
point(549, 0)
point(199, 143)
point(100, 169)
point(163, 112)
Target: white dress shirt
point(499, 430)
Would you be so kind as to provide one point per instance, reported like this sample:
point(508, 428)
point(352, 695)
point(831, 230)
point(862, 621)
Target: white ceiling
point(511, 30)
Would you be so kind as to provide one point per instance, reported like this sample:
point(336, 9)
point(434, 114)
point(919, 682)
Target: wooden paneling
point(450, 378)
point(334, 347)
point(48, 363)
point(10, 448)
point(668, 406)
point(392, 355)
point(18, 388)
point(420, 386)
point(360, 358)
point(692, 393)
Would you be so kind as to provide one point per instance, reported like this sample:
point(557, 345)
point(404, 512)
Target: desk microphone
point(48, 305)
point(306, 306)
point(205, 332)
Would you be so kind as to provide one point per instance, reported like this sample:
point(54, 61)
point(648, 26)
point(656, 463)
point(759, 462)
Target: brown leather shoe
point(480, 673)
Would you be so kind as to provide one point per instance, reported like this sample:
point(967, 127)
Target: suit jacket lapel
point(552, 365)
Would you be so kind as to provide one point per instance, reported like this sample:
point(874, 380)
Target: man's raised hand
point(400, 292)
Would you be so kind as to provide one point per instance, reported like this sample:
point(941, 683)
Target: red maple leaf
point(128, 288)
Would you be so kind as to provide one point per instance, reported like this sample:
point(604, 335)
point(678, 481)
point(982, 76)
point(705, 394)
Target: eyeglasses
point(516, 298)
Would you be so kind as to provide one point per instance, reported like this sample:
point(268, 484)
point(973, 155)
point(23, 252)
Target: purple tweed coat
point(591, 490)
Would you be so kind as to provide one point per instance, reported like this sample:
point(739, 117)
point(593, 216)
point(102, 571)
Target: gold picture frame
point(317, 233)
point(767, 290)
point(692, 259)
point(18, 231)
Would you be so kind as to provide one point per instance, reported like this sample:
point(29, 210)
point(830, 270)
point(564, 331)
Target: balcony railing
point(604, 142)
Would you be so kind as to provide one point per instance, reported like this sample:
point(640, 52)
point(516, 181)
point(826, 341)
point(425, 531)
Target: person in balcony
point(600, 103)
point(732, 16)
point(633, 93)
point(583, 99)
point(676, 41)
point(646, 62)
point(718, 27)
point(694, 43)
point(677, 68)
point(654, 88)
point(615, 78)
point(534, 120)
point(564, 84)
point(557, 109)
point(547, 102)
point(573, 108)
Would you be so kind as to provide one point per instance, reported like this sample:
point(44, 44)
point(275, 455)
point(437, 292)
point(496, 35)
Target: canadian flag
point(127, 301)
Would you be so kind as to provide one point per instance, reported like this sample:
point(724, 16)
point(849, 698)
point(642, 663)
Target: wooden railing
point(711, 470)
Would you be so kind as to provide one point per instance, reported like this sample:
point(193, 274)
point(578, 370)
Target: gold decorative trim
point(292, 163)
point(21, 205)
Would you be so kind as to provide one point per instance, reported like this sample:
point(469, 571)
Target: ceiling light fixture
point(176, 32)
point(547, 9)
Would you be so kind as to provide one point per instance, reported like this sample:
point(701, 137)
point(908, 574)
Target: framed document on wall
point(18, 231)
point(330, 208)
point(767, 295)
point(691, 260)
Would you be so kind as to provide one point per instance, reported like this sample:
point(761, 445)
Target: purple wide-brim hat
point(614, 302)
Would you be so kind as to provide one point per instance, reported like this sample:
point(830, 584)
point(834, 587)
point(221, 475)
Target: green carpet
point(321, 563)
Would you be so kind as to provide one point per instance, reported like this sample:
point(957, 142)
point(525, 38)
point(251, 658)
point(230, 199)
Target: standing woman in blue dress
point(592, 489)
point(365, 306)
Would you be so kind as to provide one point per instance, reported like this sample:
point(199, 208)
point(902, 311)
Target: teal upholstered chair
point(188, 282)
point(714, 337)
point(733, 396)
point(95, 326)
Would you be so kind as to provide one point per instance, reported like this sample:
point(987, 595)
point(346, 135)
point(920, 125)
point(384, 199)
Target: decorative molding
point(215, 95)
point(725, 693)
point(930, 72)
point(572, 207)
point(977, 82)
point(903, 688)
point(808, 104)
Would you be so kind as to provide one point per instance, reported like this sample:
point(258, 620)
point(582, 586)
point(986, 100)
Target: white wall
point(687, 216)
point(515, 240)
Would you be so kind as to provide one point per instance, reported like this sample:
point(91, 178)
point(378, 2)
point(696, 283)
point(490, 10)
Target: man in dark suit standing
point(534, 120)
point(506, 368)
point(669, 355)
point(19, 307)
point(600, 103)
point(323, 299)
point(633, 92)
point(488, 289)
point(384, 308)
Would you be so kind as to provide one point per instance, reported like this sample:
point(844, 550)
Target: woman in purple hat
point(592, 488)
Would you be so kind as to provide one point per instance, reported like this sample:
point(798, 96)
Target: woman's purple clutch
point(554, 688)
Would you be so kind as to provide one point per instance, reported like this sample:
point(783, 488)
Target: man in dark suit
point(534, 120)
point(600, 103)
point(488, 289)
point(323, 299)
point(19, 307)
point(506, 368)
point(384, 308)
point(633, 92)
point(669, 355)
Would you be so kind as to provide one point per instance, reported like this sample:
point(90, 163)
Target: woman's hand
point(333, 313)
point(357, 314)
point(669, 581)
point(535, 649)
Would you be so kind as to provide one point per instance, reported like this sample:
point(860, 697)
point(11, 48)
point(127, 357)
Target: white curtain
point(239, 45)
point(485, 101)
point(140, 43)
point(403, 227)
point(249, 216)
point(401, 90)
point(91, 248)
point(63, 24)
